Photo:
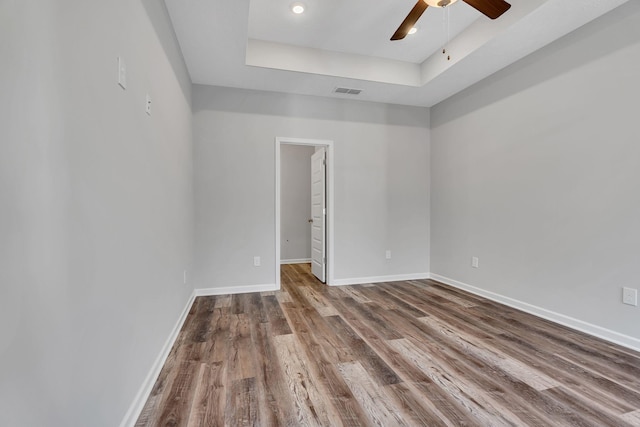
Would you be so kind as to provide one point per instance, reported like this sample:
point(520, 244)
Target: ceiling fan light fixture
point(439, 3)
point(297, 8)
point(413, 30)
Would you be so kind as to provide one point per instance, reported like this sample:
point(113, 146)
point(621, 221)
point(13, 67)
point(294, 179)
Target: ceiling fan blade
point(491, 8)
point(410, 20)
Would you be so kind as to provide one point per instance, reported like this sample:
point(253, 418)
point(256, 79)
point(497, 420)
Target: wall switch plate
point(475, 262)
point(256, 261)
point(387, 254)
point(630, 296)
point(147, 108)
point(122, 73)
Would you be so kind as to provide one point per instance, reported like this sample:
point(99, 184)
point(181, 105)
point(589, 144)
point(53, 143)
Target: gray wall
point(295, 202)
point(536, 171)
point(381, 182)
point(95, 206)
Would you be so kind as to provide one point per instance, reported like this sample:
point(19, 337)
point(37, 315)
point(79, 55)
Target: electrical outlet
point(147, 108)
point(388, 254)
point(630, 296)
point(475, 262)
point(256, 261)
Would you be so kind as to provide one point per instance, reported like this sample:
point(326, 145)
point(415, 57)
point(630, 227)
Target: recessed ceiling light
point(297, 8)
point(413, 30)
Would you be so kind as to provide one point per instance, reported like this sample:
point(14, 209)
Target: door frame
point(328, 144)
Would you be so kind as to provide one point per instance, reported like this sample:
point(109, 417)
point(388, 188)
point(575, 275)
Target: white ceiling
point(260, 44)
point(357, 28)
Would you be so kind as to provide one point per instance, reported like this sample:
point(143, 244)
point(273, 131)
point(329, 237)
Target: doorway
point(327, 147)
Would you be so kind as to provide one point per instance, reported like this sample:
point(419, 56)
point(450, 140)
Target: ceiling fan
point(491, 8)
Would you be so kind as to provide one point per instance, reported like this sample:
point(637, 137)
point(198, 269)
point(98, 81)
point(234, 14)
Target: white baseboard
point(570, 322)
point(136, 407)
point(378, 279)
point(296, 261)
point(236, 290)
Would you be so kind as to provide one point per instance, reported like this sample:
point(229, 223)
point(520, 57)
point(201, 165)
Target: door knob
point(310, 220)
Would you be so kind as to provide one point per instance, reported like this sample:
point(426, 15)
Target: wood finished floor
point(415, 353)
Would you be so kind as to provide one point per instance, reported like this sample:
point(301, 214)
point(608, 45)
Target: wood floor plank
point(563, 339)
point(475, 403)
point(377, 406)
point(632, 418)
point(528, 345)
point(418, 411)
point(274, 400)
point(355, 293)
point(583, 382)
point(619, 372)
point(415, 353)
point(238, 303)
point(283, 297)
point(319, 361)
point(346, 307)
point(242, 404)
point(209, 396)
point(443, 309)
point(240, 358)
point(517, 369)
point(404, 320)
point(380, 371)
point(318, 302)
point(223, 301)
point(311, 328)
point(312, 407)
point(376, 339)
point(176, 406)
point(452, 412)
point(380, 296)
point(372, 313)
point(456, 299)
point(472, 375)
point(277, 320)
point(586, 411)
point(220, 335)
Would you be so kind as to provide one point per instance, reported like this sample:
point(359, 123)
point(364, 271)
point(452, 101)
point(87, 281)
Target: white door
point(318, 214)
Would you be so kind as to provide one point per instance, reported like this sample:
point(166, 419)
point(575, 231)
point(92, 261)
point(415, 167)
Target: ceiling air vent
point(347, 91)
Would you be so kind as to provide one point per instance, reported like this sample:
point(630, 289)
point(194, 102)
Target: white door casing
point(318, 214)
point(329, 191)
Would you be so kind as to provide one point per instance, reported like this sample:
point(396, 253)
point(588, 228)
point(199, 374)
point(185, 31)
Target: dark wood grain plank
point(242, 404)
point(372, 335)
point(378, 369)
point(277, 320)
point(418, 411)
point(209, 396)
point(311, 402)
point(176, 406)
point(350, 413)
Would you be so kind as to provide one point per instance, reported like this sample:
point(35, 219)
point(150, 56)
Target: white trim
point(330, 202)
point(140, 400)
point(295, 261)
point(230, 290)
point(379, 279)
point(570, 322)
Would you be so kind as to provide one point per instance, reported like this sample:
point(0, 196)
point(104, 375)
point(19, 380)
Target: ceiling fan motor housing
point(439, 3)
